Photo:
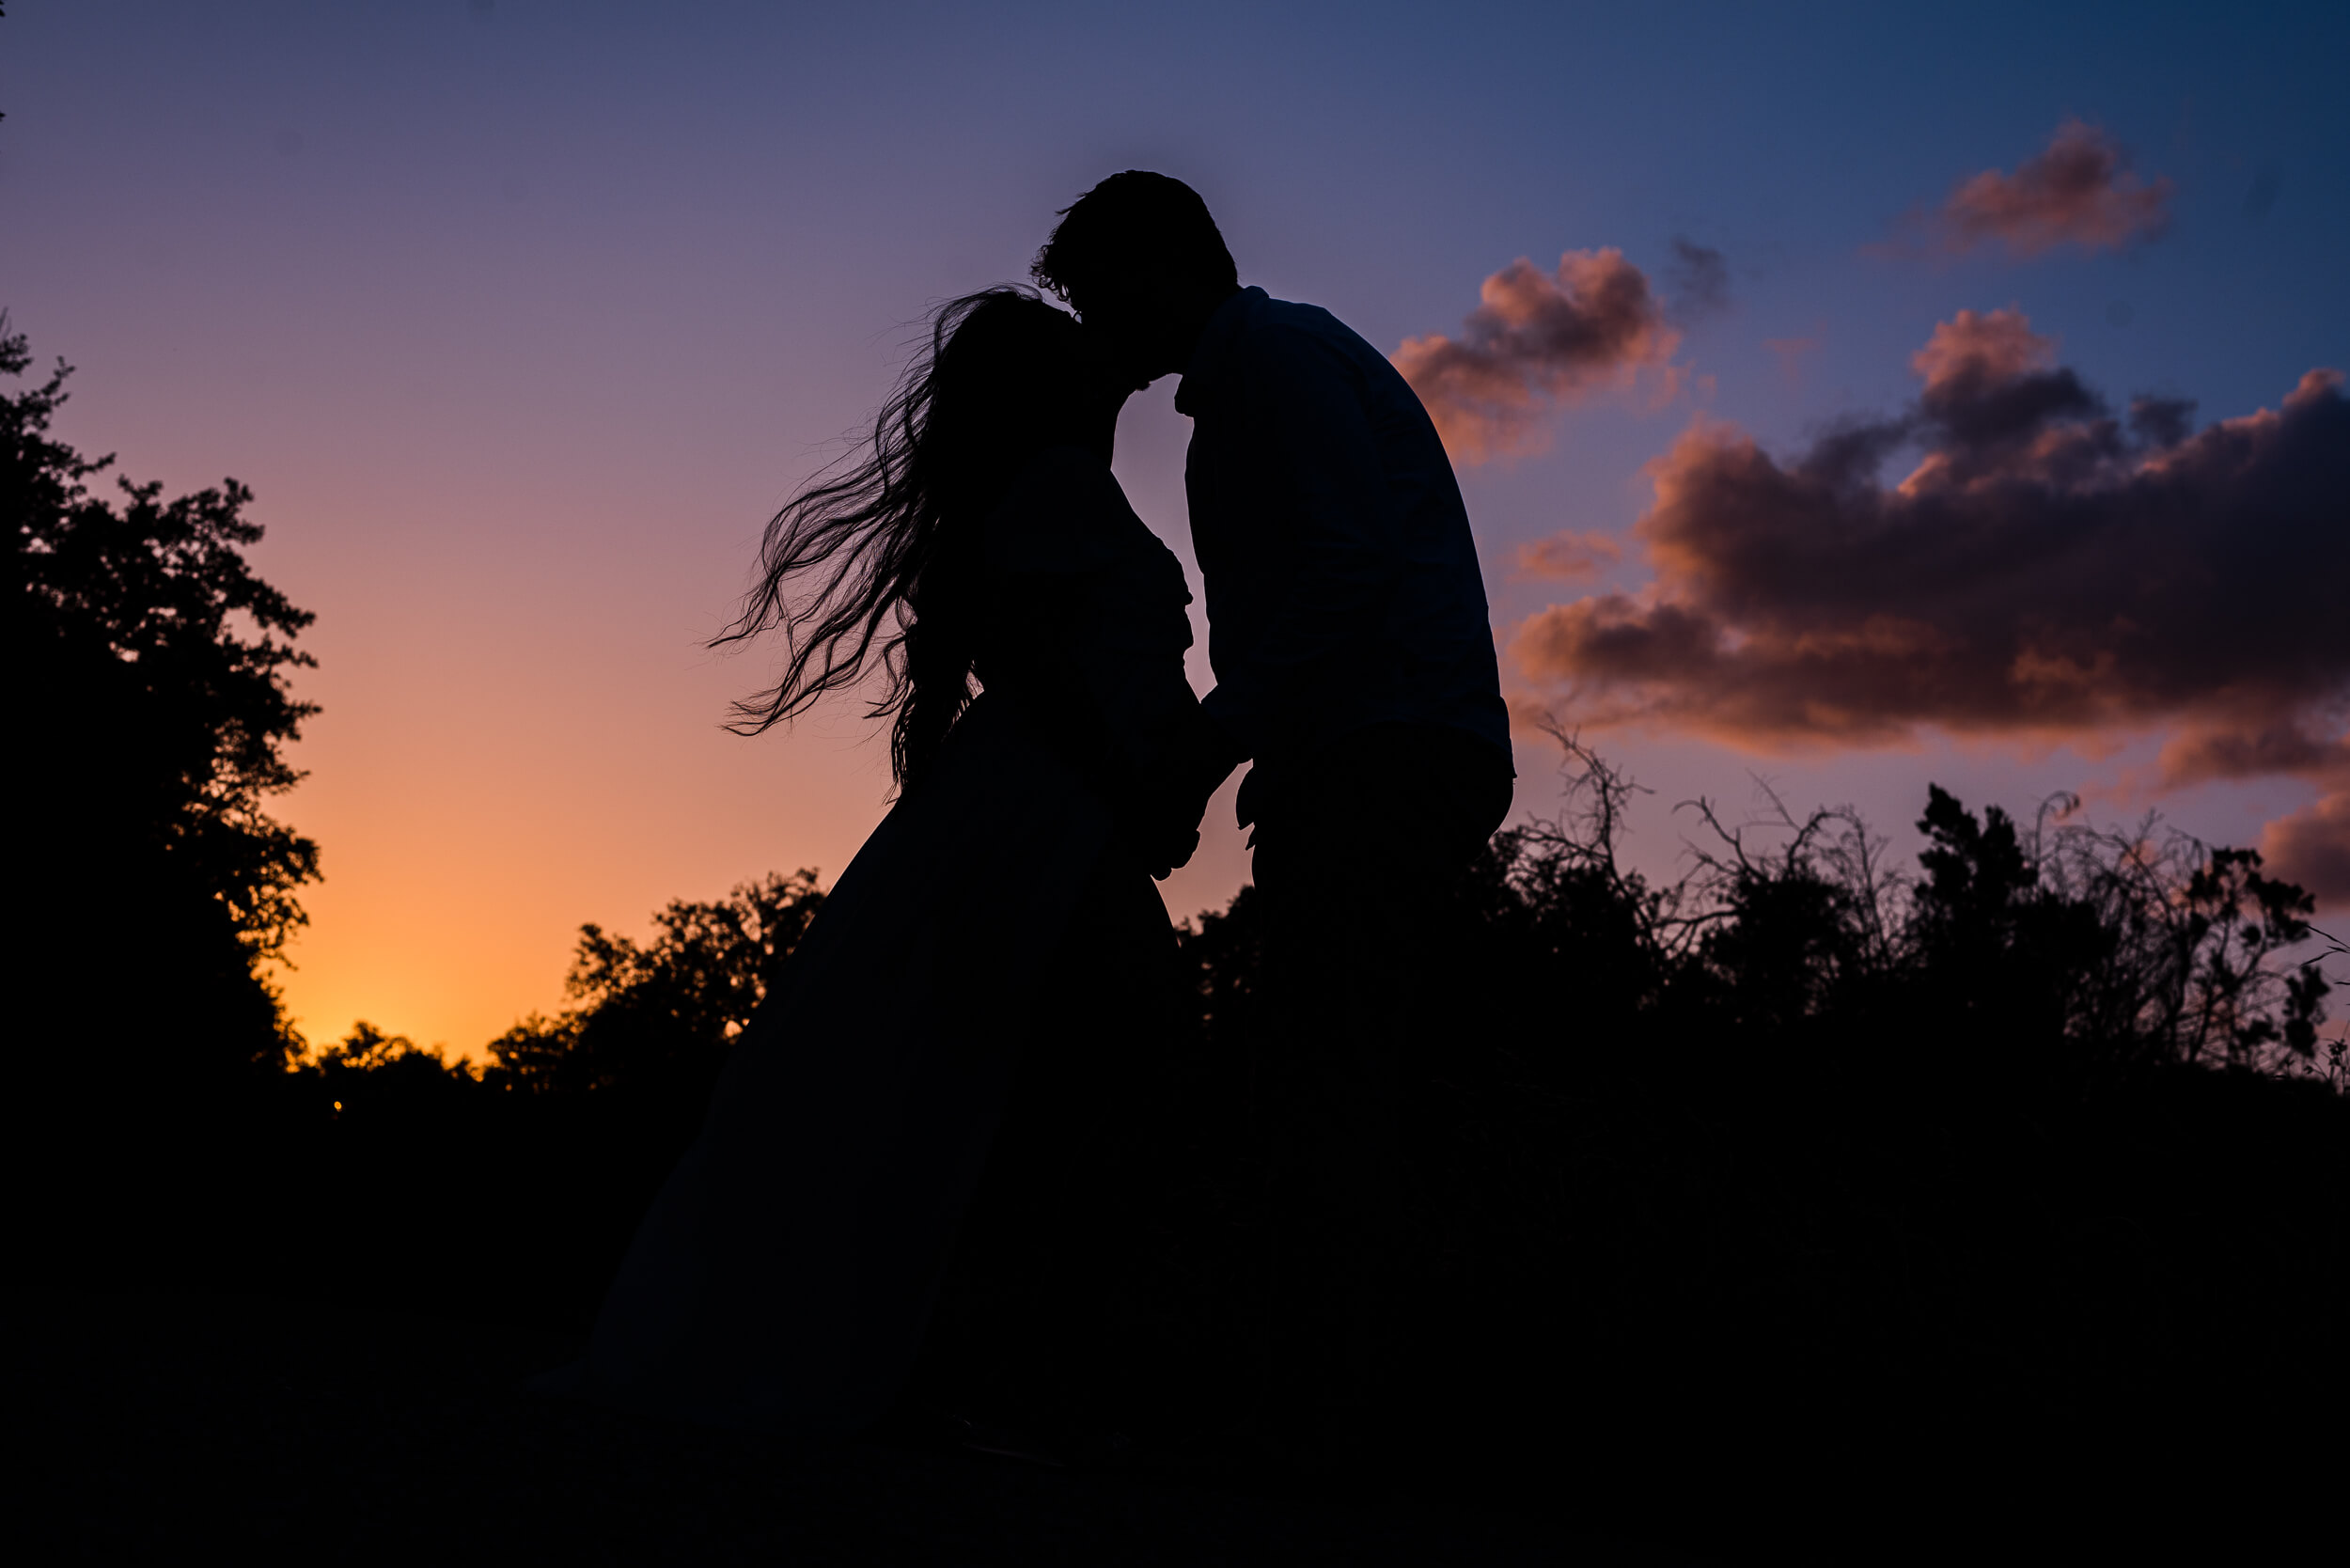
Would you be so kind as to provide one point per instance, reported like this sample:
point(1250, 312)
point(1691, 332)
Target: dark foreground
point(1770, 1216)
point(151, 1424)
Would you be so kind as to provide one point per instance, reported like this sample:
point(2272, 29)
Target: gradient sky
point(521, 318)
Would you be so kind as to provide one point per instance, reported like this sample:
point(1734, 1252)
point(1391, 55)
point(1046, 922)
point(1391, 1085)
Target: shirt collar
point(1214, 351)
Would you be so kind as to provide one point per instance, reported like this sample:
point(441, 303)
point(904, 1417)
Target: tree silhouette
point(2049, 1130)
point(149, 745)
point(660, 1015)
point(370, 1073)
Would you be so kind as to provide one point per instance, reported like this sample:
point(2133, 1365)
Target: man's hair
point(1131, 220)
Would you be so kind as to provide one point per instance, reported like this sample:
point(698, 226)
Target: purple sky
point(521, 318)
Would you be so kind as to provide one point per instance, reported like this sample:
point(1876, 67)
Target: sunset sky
point(1815, 375)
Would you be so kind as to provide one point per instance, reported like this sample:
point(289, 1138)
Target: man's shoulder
point(1289, 337)
point(1294, 320)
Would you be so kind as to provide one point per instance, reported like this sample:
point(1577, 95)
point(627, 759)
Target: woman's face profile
point(1099, 389)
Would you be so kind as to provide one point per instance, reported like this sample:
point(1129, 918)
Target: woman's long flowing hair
point(875, 565)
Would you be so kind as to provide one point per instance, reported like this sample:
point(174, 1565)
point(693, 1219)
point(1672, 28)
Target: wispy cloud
point(2045, 568)
point(2313, 848)
point(1792, 352)
point(1536, 342)
point(2079, 191)
point(1697, 277)
point(1568, 557)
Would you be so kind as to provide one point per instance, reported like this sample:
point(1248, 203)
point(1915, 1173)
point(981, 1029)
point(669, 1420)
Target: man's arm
point(1313, 449)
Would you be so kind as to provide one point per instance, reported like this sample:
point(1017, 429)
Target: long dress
point(782, 1278)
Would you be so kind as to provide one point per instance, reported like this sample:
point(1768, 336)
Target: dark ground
point(153, 1425)
point(157, 1424)
point(2116, 1335)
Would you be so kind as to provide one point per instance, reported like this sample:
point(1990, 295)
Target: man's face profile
point(1139, 314)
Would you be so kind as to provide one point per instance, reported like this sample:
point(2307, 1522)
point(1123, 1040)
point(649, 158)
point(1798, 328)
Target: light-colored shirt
point(1342, 584)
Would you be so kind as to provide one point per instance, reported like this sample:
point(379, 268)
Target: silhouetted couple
point(949, 1041)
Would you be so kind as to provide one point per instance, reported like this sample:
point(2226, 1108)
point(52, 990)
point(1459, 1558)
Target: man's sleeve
point(1311, 443)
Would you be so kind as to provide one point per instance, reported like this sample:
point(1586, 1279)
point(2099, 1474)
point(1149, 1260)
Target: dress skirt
point(782, 1278)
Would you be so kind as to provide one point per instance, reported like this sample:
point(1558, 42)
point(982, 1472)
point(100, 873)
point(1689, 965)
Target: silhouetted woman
point(784, 1276)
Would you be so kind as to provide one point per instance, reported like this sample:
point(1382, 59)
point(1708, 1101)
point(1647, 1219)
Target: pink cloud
point(2313, 848)
point(1568, 557)
point(1791, 352)
point(1971, 349)
point(2079, 191)
point(2046, 571)
point(1538, 340)
point(2235, 748)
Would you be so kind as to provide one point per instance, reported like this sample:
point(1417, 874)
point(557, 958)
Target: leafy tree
point(1999, 955)
point(369, 1071)
point(2187, 964)
point(662, 1013)
point(151, 742)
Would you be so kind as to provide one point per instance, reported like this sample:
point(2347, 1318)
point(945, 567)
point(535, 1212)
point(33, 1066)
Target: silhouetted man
point(1354, 666)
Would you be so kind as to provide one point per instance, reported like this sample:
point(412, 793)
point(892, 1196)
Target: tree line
point(2042, 1135)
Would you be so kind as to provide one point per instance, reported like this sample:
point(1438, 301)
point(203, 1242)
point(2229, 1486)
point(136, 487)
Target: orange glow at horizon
point(518, 741)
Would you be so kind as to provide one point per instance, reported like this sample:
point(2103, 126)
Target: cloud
point(1568, 556)
point(1969, 352)
point(2238, 748)
point(2313, 848)
point(1700, 280)
point(2079, 192)
point(1791, 353)
point(1536, 342)
point(2046, 569)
